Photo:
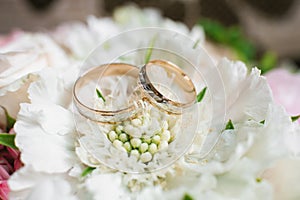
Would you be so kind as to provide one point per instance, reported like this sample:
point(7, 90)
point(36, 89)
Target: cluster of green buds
point(143, 146)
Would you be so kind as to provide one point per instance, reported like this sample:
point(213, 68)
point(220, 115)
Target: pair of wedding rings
point(161, 83)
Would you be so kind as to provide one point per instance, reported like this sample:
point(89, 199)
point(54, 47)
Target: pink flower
point(286, 89)
point(4, 40)
point(9, 163)
point(4, 190)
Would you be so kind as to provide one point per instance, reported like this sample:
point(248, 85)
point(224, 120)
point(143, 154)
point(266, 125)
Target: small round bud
point(146, 139)
point(165, 125)
point(135, 142)
point(143, 148)
point(119, 145)
point(112, 135)
point(136, 122)
point(166, 135)
point(146, 157)
point(135, 153)
point(127, 146)
point(163, 145)
point(132, 131)
point(123, 137)
point(156, 139)
point(152, 148)
point(119, 129)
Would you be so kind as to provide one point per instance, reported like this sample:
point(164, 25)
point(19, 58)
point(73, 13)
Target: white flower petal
point(53, 86)
point(17, 65)
point(106, 186)
point(41, 44)
point(29, 184)
point(45, 136)
point(284, 176)
point(247, 97)
point(269, 143)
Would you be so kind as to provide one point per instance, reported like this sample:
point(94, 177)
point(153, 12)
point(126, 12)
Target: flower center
point(144, 135)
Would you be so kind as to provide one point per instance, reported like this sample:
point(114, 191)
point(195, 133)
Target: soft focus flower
point(9, 163)
point(56, 161)
point(20, 60)
point(15, 66)
point(285, 87)
point(4, 40)
point(249, 150)
point(27, 183)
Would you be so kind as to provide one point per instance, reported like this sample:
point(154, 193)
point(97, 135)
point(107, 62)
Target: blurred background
point(253, 27)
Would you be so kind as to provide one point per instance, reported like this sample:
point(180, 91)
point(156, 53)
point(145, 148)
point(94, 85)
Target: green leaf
point(187, 197)
point(262, 121)
point(99, 94)
point(10, 122)
point(149, 50)
point(201, 94)
point(295, 118)
point(231, 37)
point(87, 171)
point(8, 140)
point(229, 125)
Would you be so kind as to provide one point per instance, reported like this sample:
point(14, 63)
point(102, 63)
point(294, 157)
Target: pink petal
point(17, 164)
point(5, 165)
point(4, 175)
point(10, 38)
point(4, 190)
point(286, 89)
point(13, 153)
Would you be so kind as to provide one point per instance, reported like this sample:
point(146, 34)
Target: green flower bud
point(146, 157)
point(123, 137)
point(165, 125)
point(135, 153)
point(127, 146)
point(135, 142)
point(147, 139)
point(156, 139)
point(119, 145)
point(119, 129)
point(152, 148)
point(166, 135)
point(112, 135)
point(143, 148)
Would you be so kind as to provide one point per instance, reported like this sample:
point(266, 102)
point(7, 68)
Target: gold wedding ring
point(85, 88)
point(159, 82)
point(166, 86)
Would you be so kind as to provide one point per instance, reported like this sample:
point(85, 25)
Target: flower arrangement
point(257, 143)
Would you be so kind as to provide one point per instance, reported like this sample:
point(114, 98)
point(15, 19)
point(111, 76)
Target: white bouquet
point(255, 157)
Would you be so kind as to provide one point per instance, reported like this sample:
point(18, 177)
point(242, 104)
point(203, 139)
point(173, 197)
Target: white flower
point(55, 152)
point(46, 137)
point(29, 184)
point(40, 44)
point(20, 60)
point(107, 186)
point(15, 66)
point(48, 145)
point(130, 17)
point(81, 39)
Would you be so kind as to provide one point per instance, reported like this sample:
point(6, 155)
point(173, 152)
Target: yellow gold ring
point(97, 79)
point(166, 86)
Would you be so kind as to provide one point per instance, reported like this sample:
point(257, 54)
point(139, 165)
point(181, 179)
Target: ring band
point(152, 80)
point(158, 80)
point(87, 108)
